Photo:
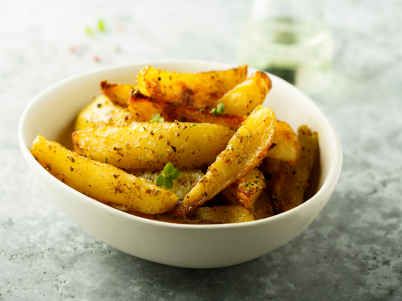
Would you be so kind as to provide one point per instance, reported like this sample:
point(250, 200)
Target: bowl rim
point(328, 185)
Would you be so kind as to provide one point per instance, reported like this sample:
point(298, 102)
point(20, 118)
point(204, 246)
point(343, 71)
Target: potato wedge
point(102, 182)
point(181, 186)
point(244, 152)
point(150, 146)
point(291, 180)
point(262, 206)
point(223, 214)
point(286, 144)
point(198, 90)
point(117, 93)
point(246, 96)
point(102, 112)
point(189, 114)
point(143, 107)
point(245, 191)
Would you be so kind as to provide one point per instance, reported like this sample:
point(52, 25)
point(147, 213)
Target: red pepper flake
point(96, 58)
point(227, 161)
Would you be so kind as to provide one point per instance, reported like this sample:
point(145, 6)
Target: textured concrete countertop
point(352, 251)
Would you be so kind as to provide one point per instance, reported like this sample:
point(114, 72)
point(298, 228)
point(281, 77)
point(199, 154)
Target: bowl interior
point(53, 112)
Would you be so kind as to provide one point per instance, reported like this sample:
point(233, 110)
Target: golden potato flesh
point(286, 144)
point(181, 186)
point(102, 112)
point(291, 181)
point(150, 146)
point(223, 214)
point(117, 93)
point(102, 182)
point(198, 90)
point(246, 96)
point(244, 152)
point(245, 191)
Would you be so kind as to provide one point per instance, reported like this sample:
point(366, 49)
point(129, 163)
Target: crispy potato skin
point(286, 144)
point(223, 214)
point(291, 181)
point(102, 112)
point(117, 93)
point(244, 152)
point(150, 146)
point(198, 90)
point(144, 107)
point(246, 96)
point(189, 114)
point(102, 182)
point(245, 191)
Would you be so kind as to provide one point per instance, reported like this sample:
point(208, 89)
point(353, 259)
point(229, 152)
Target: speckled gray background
point(352, 251)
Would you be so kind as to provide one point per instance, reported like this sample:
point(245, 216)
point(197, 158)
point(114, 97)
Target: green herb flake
point(157, 118)
point(101, 26)
point(245, 186)
point(106, 160)
point(89, 31)
point(194, 124)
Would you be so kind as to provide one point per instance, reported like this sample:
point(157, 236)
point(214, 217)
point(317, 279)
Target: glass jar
point(288, 38)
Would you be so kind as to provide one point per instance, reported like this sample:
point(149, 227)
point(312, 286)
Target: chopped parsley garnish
point(194, 124)
point(245, 186)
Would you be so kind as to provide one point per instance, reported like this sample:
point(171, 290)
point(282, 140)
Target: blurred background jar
point(290, 39)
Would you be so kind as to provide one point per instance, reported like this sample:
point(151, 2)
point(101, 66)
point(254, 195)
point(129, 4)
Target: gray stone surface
point(352, 251)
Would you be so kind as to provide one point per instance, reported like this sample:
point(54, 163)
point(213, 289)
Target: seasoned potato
point(286, 144)
point(117, 93)
point(198, 90)
point(143, 107)
point(102, 182)
point(262, 206)
point(244, 152)
point(291, 181)
point(150, 146)
point(223, 214)
point(189, 114)
point(181, 186)
point(102, 112)
point(245, 191)
point(246, 96)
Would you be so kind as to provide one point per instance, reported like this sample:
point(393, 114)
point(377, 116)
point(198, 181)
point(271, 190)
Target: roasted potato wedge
point(143, 107)
point(223, 214)
point(189, 114)
point(245, 191)
point(102, 112)
point(286, 144)
point(102, 182)
point(262, 206)
point(198, 90)
point(181, 186)
point(150, 146)
point(246, 96)
point(117, 93)
point(291, 181)
point(244, 152)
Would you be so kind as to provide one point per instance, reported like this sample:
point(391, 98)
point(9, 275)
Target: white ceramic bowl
point(194, 246)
